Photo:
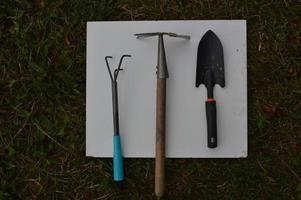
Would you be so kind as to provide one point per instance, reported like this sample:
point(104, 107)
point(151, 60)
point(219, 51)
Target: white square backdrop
point(186, 132)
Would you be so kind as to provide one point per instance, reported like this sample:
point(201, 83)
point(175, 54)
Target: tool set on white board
point(209, 71)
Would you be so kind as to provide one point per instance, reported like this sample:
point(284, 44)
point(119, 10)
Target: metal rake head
point(116, 71)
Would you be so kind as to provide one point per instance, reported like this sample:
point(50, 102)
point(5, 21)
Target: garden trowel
point(210, 71)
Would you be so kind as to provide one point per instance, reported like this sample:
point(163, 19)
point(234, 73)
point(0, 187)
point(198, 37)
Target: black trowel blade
point(210, 57)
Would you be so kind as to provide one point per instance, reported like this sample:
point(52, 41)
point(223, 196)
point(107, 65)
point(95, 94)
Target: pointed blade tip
point(210, 33)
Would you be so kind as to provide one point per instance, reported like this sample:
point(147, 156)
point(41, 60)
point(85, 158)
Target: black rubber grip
point(211, 123)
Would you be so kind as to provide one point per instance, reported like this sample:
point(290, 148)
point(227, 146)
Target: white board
point(186, 133)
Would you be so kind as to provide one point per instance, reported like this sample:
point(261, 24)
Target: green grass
point(42, 104)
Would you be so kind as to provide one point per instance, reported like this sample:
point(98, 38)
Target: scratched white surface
point(186, 133)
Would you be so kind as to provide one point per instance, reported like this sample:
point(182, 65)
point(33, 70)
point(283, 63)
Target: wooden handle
point(160, 138)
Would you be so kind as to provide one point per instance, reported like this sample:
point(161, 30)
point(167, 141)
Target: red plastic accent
point(210, 100)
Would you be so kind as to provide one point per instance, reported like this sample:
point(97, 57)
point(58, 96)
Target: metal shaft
point(115, 107)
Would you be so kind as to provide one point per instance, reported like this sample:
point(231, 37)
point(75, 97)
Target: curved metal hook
point(116, 71)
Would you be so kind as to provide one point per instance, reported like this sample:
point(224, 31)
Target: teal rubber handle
point(117, 160)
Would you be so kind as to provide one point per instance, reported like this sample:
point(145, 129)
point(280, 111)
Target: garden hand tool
point(162, 75)
point(118, 173)
point(210, 71)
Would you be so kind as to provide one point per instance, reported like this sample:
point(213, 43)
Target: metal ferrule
point(162, 71)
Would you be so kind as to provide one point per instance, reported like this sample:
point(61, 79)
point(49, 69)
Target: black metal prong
point(120, 62)
point(106, 59)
